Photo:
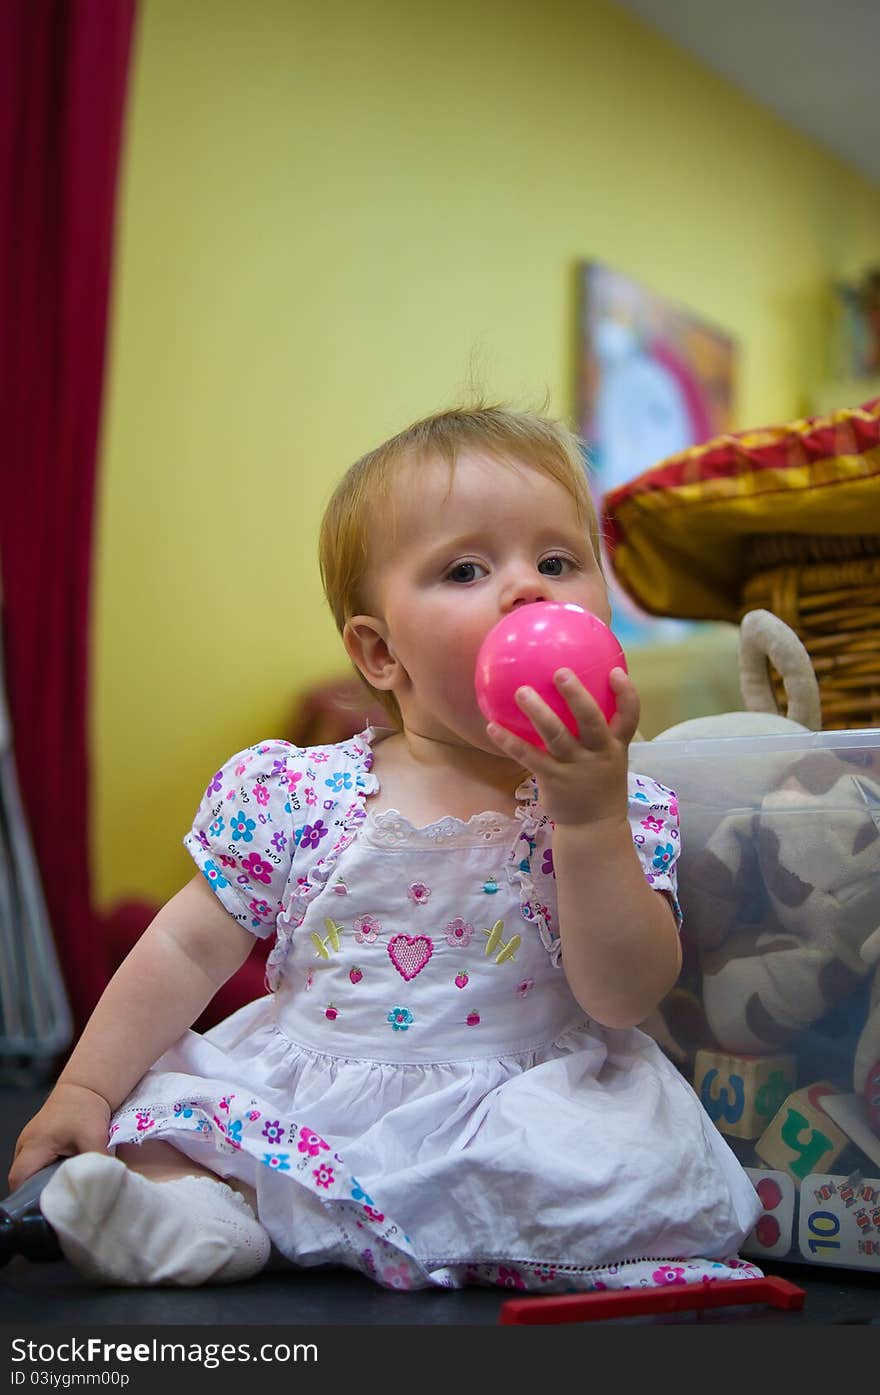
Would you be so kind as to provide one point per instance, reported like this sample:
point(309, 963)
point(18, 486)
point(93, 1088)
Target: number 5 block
point(741, 1094)
point(802, 1138)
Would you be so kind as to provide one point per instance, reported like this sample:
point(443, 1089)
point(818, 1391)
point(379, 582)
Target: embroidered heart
point(410, 953)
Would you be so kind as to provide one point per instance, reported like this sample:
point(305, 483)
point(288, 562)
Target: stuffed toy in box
point(780, 870)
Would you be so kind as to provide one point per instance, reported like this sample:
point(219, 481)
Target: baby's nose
point(526, 589)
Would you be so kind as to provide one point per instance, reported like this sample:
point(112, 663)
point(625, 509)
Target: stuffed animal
point(779, 880)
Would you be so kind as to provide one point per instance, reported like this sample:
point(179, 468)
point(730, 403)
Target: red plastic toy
point(634, 1302)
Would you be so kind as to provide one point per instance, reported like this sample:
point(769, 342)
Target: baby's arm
point(620, 944)
point(188, 951)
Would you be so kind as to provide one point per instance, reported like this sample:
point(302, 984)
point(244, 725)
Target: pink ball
point(527, 647)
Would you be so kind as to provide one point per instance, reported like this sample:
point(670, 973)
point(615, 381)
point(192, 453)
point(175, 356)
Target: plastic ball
point(528, 646)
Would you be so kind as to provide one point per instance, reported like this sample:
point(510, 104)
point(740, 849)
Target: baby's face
point(454, 554)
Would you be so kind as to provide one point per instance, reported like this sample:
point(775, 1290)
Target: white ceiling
point(816, 63)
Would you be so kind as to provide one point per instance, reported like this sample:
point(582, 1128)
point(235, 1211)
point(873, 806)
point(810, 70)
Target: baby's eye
point(466, 571)
point(554, 566)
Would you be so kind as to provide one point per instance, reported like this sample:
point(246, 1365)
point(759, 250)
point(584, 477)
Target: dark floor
point(54, 1292)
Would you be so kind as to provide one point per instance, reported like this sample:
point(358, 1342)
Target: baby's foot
point(117, 1227)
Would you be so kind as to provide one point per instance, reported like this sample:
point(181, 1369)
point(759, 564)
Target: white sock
point(120, 1228)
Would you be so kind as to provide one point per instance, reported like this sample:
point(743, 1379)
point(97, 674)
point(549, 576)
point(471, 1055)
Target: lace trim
point(692, 1261)
point(388, 828)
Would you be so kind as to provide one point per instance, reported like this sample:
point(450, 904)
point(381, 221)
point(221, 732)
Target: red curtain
point(63, 75)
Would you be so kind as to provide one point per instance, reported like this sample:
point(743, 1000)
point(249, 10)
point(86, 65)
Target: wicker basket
point(828, 590)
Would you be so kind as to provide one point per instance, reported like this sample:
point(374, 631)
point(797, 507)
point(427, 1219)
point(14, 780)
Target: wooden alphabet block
point(741, 1094)
point(773, 1235)
point(802, 1138)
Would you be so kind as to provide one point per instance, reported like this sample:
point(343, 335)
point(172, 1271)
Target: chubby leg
point(162, 1162)
point(150, 1216)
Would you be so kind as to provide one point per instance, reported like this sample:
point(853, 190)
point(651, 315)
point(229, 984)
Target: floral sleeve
point(271, 823)
point(245, 832)
point(653, 817)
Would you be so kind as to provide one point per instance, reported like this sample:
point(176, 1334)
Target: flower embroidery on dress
point(419, 892)
point(459, 932)
point(366, 929)
point(400, 1018)
point(410, 953)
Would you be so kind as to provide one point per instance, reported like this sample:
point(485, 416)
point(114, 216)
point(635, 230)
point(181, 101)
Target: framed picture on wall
point(653, 378)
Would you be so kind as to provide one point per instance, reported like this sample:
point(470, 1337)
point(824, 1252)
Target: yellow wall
point(329, 212)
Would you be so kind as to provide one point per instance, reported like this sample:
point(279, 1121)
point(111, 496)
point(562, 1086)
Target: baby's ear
point(366, 644)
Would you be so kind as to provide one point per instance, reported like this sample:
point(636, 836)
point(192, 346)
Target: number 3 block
point(741, 1094)
point(802, 1138)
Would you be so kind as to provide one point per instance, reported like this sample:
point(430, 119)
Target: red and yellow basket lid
point(678, 534)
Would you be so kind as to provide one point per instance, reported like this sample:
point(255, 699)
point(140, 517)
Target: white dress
point(420, 1097)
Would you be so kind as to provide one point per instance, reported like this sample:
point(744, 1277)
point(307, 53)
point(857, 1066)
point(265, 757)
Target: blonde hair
point(528, 438)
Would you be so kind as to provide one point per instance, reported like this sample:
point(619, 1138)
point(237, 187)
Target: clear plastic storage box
point(776, 1016)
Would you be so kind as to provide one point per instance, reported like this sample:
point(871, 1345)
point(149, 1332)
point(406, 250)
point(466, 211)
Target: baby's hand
point(582, 779)
point(73, 1120)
